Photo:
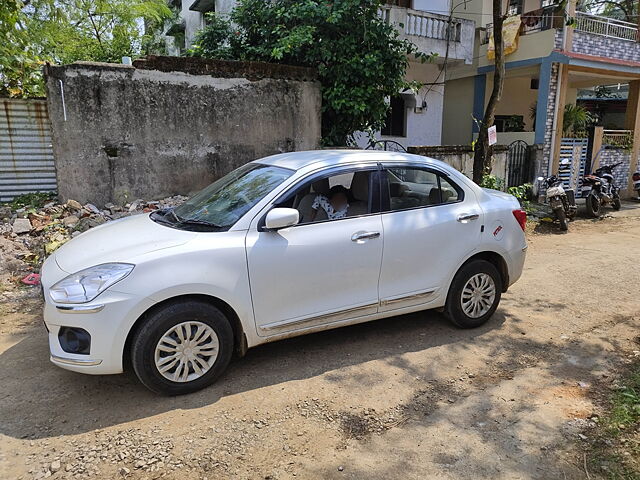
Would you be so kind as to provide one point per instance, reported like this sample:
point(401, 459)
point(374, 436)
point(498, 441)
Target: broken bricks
point(21, 225)
point(54, 224)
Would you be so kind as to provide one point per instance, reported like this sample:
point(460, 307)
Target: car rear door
point(430, 223)
point(321, 272)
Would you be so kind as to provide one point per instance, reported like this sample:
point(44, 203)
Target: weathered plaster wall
point(460, 157)
point(125, 133)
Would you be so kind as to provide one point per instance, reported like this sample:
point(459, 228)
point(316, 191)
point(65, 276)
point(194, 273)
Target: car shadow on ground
point(504, 409)
point(40, 400)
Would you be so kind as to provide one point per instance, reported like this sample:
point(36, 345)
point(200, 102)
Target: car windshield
point(226, 200)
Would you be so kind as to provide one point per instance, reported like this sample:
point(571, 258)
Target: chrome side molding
point(75, 362)
point(347, 313)
point(79, 308)
point(327, 317)
point(415, 296)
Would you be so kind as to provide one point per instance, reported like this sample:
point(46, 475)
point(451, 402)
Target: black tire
point(593, 206)
point(160, 322)
point(562, 219)
point(454, 309)
point(617, 205)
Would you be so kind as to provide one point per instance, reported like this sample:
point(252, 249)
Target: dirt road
point(406, 397)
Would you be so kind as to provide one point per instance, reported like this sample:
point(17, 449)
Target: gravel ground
point(405, 397)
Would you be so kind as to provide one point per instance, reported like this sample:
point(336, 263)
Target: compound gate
point(519, 164)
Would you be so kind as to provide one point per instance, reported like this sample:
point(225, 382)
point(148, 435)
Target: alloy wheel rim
point(186, 351)
point(478, 295)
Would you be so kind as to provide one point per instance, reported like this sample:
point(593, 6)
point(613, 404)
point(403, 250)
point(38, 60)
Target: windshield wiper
point(159, 216)
point(193, 221)
point(170, 210)
point(162, 216)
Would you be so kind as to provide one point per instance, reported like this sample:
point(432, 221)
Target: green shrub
point(360, 59)
point(493, 182)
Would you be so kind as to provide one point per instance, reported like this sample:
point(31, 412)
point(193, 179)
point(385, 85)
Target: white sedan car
point(286, 245)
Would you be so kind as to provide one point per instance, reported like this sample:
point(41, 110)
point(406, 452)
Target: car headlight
point(85, 285)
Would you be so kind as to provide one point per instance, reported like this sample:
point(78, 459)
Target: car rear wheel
point(474, 294)
point(182, 347)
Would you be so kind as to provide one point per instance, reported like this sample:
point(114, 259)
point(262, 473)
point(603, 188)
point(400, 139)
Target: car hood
point(118, 241)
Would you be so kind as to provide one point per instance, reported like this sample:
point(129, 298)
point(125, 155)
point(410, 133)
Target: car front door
point(429, 224)
point(322, 271)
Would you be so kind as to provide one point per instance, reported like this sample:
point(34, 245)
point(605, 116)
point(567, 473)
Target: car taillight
point(521, 217)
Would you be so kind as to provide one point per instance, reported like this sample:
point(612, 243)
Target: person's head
point(338, 197)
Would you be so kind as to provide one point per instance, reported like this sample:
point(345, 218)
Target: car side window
point(449, 192)
point(411, 187)
point(332, 197)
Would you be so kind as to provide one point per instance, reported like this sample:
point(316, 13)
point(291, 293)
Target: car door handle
point(364, 235)
point(468, 216)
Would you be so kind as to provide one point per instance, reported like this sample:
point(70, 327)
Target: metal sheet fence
point(26, 155)
point(570, 171)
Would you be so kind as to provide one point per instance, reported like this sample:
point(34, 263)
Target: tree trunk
point(482, 149)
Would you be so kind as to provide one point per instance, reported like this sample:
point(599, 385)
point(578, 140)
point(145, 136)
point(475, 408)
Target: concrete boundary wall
point(122, 132)
point(460, 157)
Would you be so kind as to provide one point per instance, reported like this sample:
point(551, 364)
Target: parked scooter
point(561, 201)
point(599, 189)
point(636, 183)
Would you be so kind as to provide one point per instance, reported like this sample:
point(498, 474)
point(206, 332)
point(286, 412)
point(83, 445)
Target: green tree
point(482, 150)
point(42, 31)
point(626, 10)
point(359, 58)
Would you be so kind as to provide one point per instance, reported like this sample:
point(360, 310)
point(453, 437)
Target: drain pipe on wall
point(64, 107)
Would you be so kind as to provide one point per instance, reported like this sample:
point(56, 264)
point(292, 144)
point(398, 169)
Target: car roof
point(320, 158)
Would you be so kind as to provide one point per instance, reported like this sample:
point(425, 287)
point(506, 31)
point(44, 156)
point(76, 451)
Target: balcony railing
point(608, 27)
point(553, 17)
point(426, 25)
point(385, 14)
point(429, 26)
point(617, 138)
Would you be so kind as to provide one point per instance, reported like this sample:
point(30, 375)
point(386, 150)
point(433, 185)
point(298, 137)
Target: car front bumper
point(107, 319)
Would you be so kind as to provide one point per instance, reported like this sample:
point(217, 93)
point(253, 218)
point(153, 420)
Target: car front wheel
point(474, 294)
point(182, 347)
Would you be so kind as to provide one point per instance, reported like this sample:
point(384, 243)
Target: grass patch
point(616, 448)
point(31, 200)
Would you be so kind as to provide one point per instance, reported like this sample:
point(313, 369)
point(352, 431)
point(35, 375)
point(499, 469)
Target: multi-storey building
point(559, 52)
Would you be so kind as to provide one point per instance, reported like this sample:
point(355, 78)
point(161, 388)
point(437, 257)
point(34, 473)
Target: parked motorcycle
point(636, 183)
point(599, 189)
point(561, 201)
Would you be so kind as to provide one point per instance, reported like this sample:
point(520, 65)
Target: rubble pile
point(44, 229)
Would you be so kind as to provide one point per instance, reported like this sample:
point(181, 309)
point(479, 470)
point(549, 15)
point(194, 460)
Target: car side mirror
point(281, 218)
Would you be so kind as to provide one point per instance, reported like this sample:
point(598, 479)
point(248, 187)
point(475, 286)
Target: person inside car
point(335, 206)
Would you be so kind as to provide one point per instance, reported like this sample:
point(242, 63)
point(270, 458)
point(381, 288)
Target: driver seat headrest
point(360, 186)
